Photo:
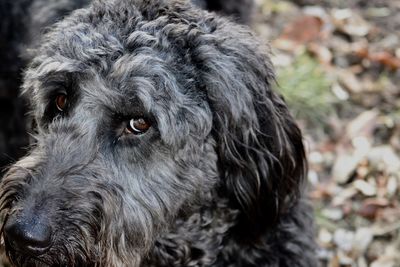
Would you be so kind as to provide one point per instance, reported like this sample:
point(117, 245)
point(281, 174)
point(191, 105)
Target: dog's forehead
point(113, 72)
point(118, 55)
point(113, 65)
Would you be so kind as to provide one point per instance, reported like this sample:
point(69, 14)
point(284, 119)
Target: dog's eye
point(61, 101)
point(138, 126)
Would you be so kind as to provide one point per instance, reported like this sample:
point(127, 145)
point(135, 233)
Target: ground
point(338, 66)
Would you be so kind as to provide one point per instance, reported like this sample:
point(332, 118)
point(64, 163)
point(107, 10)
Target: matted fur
point(214, 182)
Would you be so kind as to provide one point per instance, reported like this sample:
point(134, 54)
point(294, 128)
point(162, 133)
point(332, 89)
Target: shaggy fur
point(21, 22)
point(215, 181)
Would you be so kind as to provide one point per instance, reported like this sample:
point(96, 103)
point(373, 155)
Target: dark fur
point(238, 10)
point(21, 22)
point(215, 182)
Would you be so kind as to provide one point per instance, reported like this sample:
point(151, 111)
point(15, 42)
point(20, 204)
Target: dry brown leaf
point(372, 207)
point(350, 82)
point(300, 32)
point(369, 211)
point(323, 54)
point(350, 22)
point(322, 191)
point(387, 59)
point(335, 262)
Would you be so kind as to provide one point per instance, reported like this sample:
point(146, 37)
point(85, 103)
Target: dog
point(158, 142)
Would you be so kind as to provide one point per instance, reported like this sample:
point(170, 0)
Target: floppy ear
point(261, 154)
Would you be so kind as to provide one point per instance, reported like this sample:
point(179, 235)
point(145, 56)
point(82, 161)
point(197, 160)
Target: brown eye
point(138, 126)
point(61, 102)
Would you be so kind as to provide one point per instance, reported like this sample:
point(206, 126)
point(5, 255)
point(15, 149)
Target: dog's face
point(141, 112)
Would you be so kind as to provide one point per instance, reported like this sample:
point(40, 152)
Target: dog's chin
point(21, 259)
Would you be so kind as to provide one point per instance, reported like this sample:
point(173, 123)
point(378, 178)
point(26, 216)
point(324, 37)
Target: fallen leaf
point(339, 92)
point(392, 185)
point(350, 82)
point(323, 54)
point(362, 239)
point(387, 59)
point(368, 211)
point(300, 32)
point(343, 239)
point(343, 196)
point(365, 188)
point(344, 166)
point(363, 125)
point(334, 214)
point(350, 22)
point(389, 259)
point(371, 207)
point(325, 237)
point(385, 155)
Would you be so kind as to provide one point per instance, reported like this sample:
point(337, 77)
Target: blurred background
point(338, 66)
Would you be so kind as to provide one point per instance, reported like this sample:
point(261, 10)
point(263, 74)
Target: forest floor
point(338, 66)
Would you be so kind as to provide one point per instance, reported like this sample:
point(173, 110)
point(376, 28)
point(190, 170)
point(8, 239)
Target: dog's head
point(144, 110)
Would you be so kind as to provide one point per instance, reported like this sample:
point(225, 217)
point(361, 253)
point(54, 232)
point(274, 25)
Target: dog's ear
point(261, 154)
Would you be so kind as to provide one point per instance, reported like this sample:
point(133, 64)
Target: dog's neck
point(207, 238)
point(195, 239)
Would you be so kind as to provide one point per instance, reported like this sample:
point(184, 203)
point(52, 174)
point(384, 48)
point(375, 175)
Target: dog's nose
point(31, 235)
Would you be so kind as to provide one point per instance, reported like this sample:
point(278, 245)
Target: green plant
point(306, 89)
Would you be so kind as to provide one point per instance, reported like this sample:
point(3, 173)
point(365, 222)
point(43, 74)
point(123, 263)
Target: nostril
point(31, 236)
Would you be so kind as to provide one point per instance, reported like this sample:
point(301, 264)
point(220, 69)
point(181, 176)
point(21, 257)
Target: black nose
point(29, 234)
